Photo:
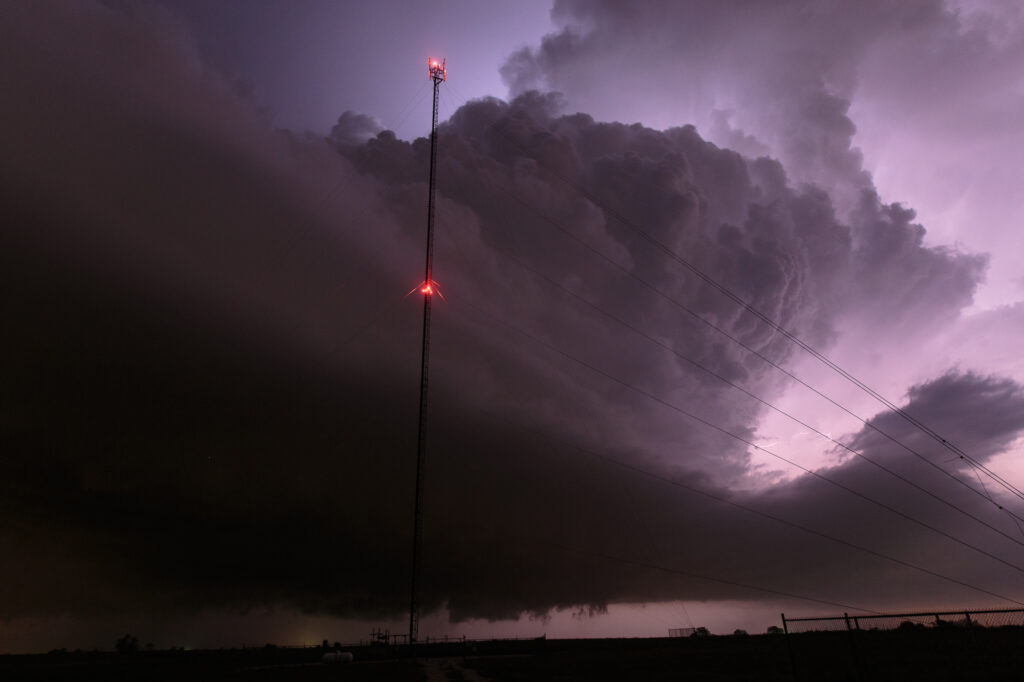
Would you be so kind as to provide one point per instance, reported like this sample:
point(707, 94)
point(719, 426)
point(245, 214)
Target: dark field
point(933, 654)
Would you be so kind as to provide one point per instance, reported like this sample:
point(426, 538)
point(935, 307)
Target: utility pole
point(436, 72)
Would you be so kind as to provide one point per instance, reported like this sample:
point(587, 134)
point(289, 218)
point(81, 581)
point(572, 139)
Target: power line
point(739, 438)
point(722, 289)
point(732, 503)
point(868, 423)
point(743, 507)
point(751, 395)
point(761, 356)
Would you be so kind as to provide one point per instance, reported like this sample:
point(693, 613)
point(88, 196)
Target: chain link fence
point(932, 645)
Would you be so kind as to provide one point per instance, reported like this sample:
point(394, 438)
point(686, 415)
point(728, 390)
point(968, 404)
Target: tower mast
point(436, 72)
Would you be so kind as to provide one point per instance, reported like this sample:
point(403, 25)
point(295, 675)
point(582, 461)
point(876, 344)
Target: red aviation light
point(428, 288)
point(436, 69)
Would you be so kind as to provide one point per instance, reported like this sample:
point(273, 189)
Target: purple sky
point(309, 61)
point(210, 394)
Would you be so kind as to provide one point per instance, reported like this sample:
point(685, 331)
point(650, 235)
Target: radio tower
point(436, 73)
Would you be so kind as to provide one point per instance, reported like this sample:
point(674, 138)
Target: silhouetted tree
point(774, 630)
point(127, 645)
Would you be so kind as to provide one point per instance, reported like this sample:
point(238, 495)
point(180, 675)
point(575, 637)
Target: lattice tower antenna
point(437, 73)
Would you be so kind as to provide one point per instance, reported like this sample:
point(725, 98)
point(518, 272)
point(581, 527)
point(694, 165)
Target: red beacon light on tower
point(428, 287)
point(436, 70)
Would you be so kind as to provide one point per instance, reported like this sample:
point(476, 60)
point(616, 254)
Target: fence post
point(853, 648)
point(789, 646)
point(972, 642)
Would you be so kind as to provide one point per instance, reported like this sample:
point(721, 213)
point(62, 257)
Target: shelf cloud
point(211, 374)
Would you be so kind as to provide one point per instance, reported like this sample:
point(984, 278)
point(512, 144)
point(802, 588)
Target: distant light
point(426, 290)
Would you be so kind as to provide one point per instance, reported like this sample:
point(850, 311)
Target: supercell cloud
point(211, 361)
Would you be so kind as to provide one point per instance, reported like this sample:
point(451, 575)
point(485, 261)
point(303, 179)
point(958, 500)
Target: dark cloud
point(784, 75)
point(354, 128)
point(789, 80)
point(793, 73)
point(210, 394)
point(903, 289)
point(982, 410)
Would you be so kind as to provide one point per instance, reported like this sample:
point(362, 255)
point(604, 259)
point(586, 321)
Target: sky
point(732, 303)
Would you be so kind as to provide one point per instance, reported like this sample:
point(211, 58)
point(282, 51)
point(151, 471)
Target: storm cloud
point(211, 360)
point(926, 88)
